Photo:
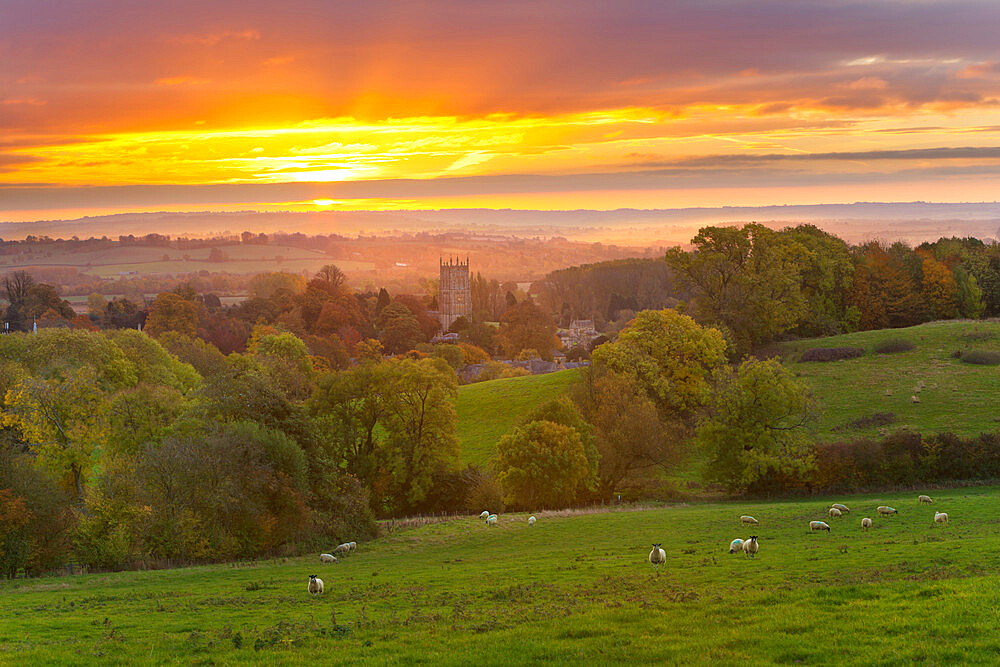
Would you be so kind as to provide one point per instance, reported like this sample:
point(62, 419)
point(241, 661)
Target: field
point(576, 588)
point(488, 410)
point(954, 396)
point(145, 260)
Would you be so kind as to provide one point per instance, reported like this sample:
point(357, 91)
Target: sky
point(119, 106)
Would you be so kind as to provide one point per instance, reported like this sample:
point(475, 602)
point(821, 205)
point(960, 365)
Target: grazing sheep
point(484, 515)
point(750, 546)
point(491, 520)
point(940, 517)
point(885, 510)
point(736, 546)
point(315, 585)
point(342, 549)
point(834, 512)
point(914, 399)
point(531, 521)
point(657, 556)
point(866, 523)
point(819, 525)
point(925, 499)
point(328, 558)
point(749, 521)
point(353, 545)
point(843, 508)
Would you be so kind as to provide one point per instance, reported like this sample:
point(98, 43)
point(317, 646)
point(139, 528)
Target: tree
point(670, 357)
point(563, 411)
point(940, 289)
point(541, 464)
point(96, 303)
point(332, 276)
point(420, 426)
point(756, 427)
point(121, 313)
point(383, 300)
point(398, 329)
point(745, 279)
point(628, 433)
point(266, 285)
point(526, 326)
point(64, 418)
point(43, 298)
point(171, 312)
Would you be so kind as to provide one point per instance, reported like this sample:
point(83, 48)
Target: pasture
point(953, 395)
point(574, 588)
point(488, 410)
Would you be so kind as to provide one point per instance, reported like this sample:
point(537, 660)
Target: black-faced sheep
point(315, 585)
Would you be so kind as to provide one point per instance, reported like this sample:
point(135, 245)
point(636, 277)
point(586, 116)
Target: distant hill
point(909, 221)
point(954, 396)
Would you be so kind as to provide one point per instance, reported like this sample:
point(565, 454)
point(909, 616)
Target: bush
point(894, 345)
point(876, 419)
point(484, 493)
point(982, 357)
point(832, 353)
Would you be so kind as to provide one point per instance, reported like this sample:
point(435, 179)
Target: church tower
point(455, 296)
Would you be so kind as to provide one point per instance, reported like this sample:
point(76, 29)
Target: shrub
point(484, 492)
point(832, 353)
point(982, 357)
point(876, 419)
point(894, 345)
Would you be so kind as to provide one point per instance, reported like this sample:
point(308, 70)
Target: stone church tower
point(455, 297)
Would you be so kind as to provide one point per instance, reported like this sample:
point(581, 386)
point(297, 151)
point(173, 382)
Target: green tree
point(541, 464)
point(670, 357)
point(526, 326)
point(398, 329)
point(64, 417)
point(267, 285)
point(756, 427)
point(746, 279)
point(171, 312)
point(563, 411)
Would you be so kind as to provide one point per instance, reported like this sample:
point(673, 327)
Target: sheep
point(925, 499)
point(491, 520)
point(866, 523)
point(819, 525)
point(750, 546)
point(835, 513)
point(657, 556)
point(531, 521)
point(885, 510)
point(342, 549)
point(940, 517)
point(749, 521)
point(328, 558)
point(914, 399)
point(353, 545)
point(736, 546)
point(843, 508)
point(484, 515)
point(315, 585)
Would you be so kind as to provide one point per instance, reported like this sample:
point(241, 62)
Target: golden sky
point(110, 106)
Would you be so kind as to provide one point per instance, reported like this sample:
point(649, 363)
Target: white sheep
point(491, 520)
point(736, 546)
point(749, 521)
point(657, 556)
point(925, 499)
point(866, 523)
point(843, 508)
point(835, 513)
point(531, 521)
point(353, 545)
point(328, 558)
point(484, 515)
point(940, 517)
point(750, 546)
point(819, 525)
point(315, 585)
point(342, 549)
point(885, 510)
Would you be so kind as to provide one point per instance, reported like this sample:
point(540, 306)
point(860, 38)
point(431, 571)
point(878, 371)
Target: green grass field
point(954, 396)
point(574, 588)
point(488, 410)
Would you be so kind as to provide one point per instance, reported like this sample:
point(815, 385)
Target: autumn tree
point(756, 426)
point(398, 329)
point(171, 312)
point(526, 326)
point(940, 289)
point(541, 465)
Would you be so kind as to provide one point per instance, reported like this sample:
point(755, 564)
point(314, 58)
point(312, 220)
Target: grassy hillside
point(576, 588)
point(488, 410)
point(954, 396)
